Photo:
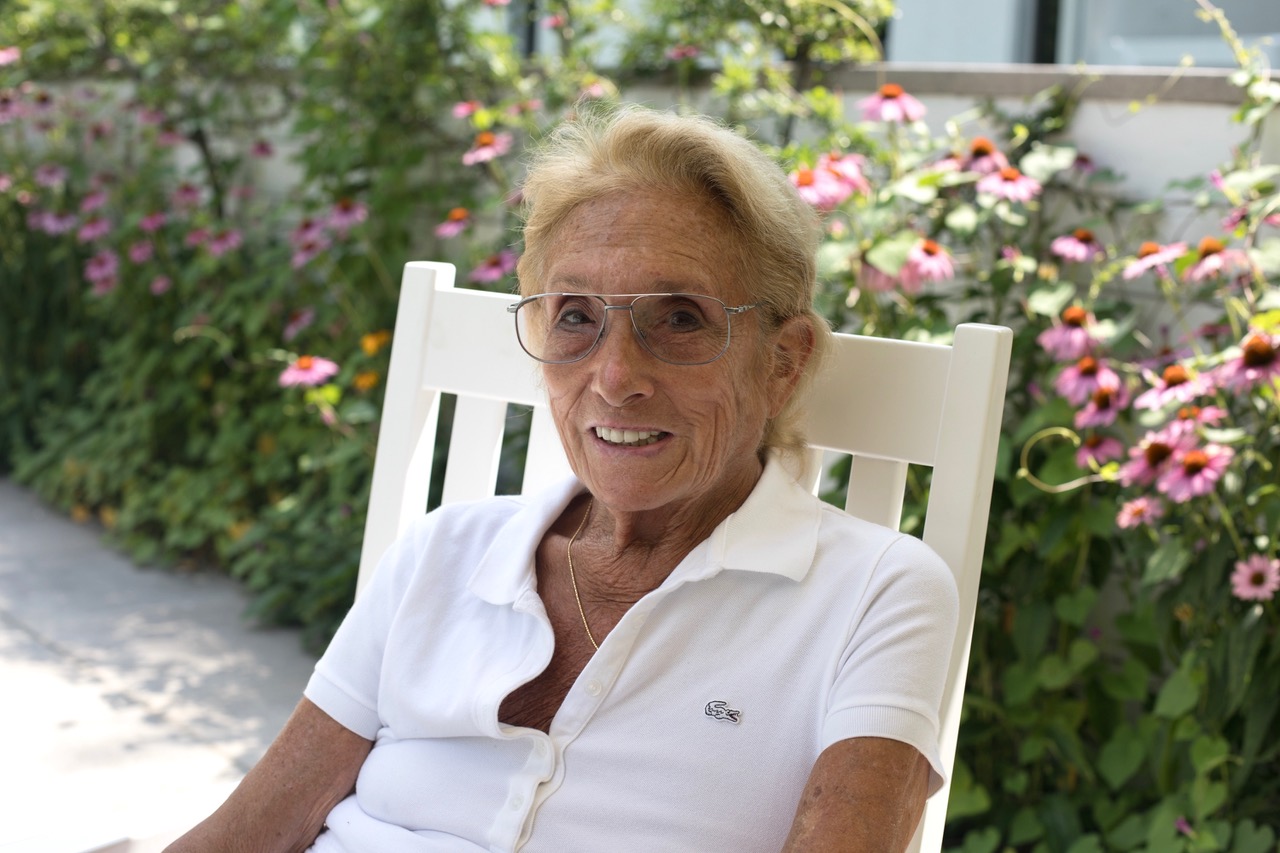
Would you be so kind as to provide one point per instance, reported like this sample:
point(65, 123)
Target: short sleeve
point(894, 667)
point(346, 679)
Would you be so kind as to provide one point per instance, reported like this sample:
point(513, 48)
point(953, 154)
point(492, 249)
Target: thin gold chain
point(573, 579)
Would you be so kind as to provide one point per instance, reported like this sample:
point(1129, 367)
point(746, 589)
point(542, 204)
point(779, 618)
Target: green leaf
point(1178, 695)
point(1248, 837)
point(1246, 179)
point(1086, 844)
point(834, 258)
point(890, 254)
point(1081, 654)
point(1075, 607)
point(1049, 301)
point(1208, 752)
point(1128, 834)
point(1121, 756)
point(1053, 673)
point(1207, 796)
point(913, 189)
point(1129, 684)
point(968, 798)
point(1025, 827)
point(1042, 162)
point(1019, 684)
point(1168, 562)
point(980, 841)
point(963, 220)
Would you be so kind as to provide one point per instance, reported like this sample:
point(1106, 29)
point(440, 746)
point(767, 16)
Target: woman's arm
point(282, 803)
point(865, 794)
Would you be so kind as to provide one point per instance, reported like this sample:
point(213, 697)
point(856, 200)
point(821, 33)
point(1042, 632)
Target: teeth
point(627, 437)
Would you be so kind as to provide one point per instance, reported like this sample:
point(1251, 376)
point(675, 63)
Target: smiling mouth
point(628, 437)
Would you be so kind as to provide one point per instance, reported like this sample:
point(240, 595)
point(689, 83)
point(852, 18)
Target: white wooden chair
point(888, 403)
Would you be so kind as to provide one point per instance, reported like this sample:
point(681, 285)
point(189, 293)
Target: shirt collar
point(775, 531)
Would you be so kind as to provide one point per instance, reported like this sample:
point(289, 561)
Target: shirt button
point(593, 688)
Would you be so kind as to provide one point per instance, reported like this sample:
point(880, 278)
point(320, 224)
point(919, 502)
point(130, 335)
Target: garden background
point(204, 207)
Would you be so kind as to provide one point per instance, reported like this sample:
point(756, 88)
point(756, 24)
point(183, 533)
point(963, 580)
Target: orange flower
point(374, 341)
point(366, 380)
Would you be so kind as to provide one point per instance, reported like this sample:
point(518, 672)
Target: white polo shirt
point(693, 728)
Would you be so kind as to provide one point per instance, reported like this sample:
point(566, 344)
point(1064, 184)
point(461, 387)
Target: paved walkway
point(131, 699)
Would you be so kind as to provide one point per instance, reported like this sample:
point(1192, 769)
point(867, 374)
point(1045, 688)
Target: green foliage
point(1121, 691)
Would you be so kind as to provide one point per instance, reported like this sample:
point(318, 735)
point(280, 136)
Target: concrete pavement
point(131, 699)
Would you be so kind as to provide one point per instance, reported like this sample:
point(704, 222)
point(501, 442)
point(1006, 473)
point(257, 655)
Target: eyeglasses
point(678, 328)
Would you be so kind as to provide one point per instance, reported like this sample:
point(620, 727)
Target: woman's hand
point(865, 794)
point(282, 803)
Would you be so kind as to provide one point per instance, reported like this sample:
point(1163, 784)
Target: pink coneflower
point(487, 146)
point(1257, 363)
point(875, 279)
point(224, 241)
point(847, 168)
point(592, 91)
point(53, 224)
point(141, 251)
point(262, 148)
point(170, 138)
point(196, 237)
point(1256, 579)
point(346, 214)
point(50, 175)
point(101, 271)
point(495, 267)
point(186, 196)
point(1009, 184)
point(1194, 472)
point(821, 188)
point(93, 230)
point(1174, 385)
point(1196, 415)
point(891, 104)
point(150, 117)
point(1070, 338)
point(98, 131)
point(1084, 164)
point(526, 106)
point(6, 182)
point(1213, 259)
point(160, 285)
point(1142, 510)
point(926, 261)
point(153, 222)
point(1153, 455)
point(1079, 246)
point(298, 321)
point(454, 223)
point(1152, 255)
point(984, 157)
point(10, 55)
point(682, 51)
point(306, 230)
point(93, 201)
point(1078, 382)
point(463, 109)
point(554, 22)
point(1097, 448)
point(1103, 407)
point(308, 370)
point(306, 250)
point(497, 2)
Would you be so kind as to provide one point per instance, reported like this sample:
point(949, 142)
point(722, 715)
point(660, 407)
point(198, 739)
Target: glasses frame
point(730, 313)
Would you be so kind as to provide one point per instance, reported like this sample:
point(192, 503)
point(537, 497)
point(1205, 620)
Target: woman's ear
point(792, 348)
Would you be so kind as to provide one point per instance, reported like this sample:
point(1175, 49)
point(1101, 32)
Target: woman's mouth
point(628, 437)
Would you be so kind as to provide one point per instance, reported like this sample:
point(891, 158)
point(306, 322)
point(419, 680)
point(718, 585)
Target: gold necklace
point(573, 579)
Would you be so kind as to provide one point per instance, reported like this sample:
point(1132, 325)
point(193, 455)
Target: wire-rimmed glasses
point(678, 328)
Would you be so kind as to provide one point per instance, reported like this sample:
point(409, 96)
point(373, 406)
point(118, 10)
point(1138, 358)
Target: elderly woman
point(678, 649)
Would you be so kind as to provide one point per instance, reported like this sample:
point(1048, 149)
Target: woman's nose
point(621, 364)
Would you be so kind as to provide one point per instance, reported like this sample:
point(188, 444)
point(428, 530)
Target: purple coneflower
point(1257, 363)
point(1193, 472)
point(454, 223)
point(1256, 579)
point(495, 267)
point(984, 157)
point(1078, 382)
point(1010, 184)
point(308, 370)
point(926, 261)
point(1153, 255)
point(1070, 338)
point(487, 146)
point(1213, 259)
point(1079, 246)
point(1140, 510)
point(1174, 385)
point(1097, 448)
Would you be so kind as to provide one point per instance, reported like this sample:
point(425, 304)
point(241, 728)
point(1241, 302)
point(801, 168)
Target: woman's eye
point(684, 320)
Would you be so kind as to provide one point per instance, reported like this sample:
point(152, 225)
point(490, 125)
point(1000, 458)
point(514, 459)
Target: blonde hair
point(631, 149)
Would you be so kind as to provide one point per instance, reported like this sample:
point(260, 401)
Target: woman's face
point(707, 419)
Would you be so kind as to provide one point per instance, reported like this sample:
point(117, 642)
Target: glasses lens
point(559, 327)
point(682, 328)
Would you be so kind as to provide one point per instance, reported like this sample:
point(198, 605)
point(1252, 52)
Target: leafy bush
point(198, 363)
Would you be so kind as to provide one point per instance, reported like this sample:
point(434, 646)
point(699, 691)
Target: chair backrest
point(887, 403)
